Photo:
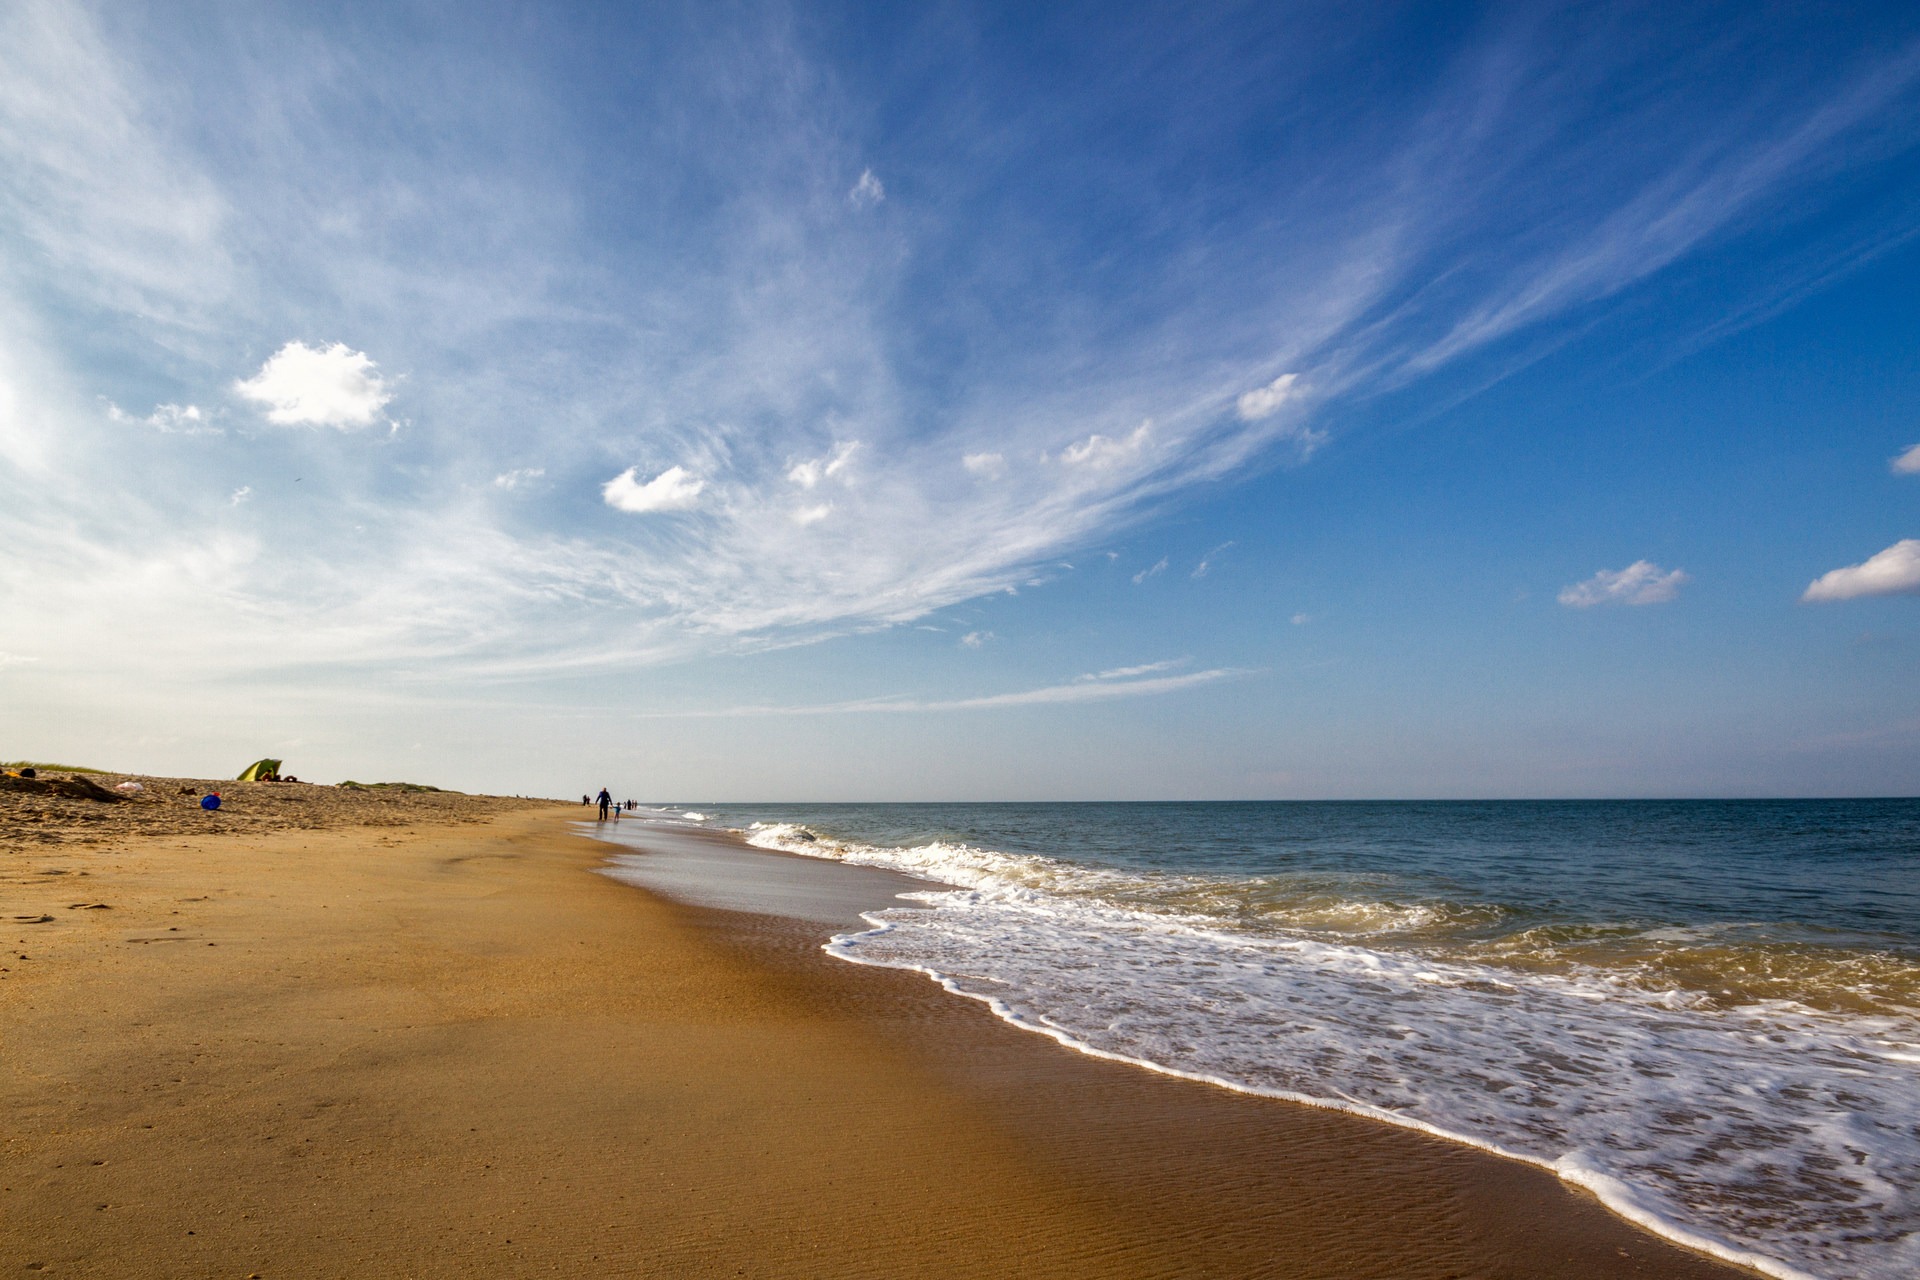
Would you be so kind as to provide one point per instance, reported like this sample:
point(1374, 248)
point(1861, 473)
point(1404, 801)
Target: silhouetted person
point(606, 803)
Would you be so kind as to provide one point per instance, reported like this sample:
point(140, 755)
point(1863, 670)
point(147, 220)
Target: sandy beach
point(414, 1034)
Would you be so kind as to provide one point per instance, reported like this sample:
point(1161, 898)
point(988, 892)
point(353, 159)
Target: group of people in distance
point(608, 805)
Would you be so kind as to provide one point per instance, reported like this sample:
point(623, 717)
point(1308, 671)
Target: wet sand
point(440, 1050)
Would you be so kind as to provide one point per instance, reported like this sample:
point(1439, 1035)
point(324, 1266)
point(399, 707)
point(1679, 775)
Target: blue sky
point(965, 402)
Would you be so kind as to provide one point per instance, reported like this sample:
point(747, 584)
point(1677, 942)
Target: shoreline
point(711, 895)
point(452, 1050)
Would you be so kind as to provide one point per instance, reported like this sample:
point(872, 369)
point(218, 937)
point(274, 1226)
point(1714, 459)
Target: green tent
point(260, 771)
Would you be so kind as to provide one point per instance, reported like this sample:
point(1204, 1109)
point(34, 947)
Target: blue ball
point(209, 802)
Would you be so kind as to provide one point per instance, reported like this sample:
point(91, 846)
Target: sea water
point(1707, 1013)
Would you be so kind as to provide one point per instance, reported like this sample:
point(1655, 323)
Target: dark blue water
point(1832, 867)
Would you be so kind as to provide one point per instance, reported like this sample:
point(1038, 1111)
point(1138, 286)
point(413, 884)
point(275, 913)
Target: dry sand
point(431, 1049)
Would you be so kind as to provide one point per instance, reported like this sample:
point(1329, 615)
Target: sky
point(965, 402)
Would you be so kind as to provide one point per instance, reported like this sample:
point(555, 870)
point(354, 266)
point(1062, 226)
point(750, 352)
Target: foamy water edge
point(1575, 1168)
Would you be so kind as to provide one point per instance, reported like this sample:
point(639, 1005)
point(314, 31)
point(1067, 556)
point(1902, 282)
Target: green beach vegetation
point(44, 764)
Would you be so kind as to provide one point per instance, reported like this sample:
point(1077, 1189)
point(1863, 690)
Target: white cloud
point(1159, 566)
point(1099, 453)
point(1892, 572)
point(319, 386)
point(14, 659)
point(975, 639)
point(672, 490)
point(1301, 619)
point(1206, 562)
point(1133, 673)
point(1642, 582)
point(1264, 402)
point(986, 466)
point(810, 473)
point(122, 219)
point(240, 495)
point(1908, 463)
point(867, 192)
point(518, 476)
point(1077, 691)
point(804, 516)
point(173, 419)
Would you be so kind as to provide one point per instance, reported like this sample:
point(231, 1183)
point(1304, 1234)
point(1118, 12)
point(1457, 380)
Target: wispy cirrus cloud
point(1264, 402)
point(763, 321)
point(867, 192)
point(809, 472)
point(1132, 673)
point(1205, 566)
point(986, 466)
point(1095, 689)
point(1153, 570)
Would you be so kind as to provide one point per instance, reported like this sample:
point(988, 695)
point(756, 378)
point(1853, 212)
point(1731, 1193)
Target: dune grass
point(44, 764)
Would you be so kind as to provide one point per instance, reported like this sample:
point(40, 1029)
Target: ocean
point(1705, 1012)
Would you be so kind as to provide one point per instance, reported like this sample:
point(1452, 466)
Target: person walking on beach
point(606, 802)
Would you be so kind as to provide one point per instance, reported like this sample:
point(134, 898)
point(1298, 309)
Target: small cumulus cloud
point(518, 476)
point(1908, 463)
point(985, 466)
point(1159, 566)
point(975, 639)
point(1642, 582)
point(810, 473)
point(674, 489)
point(1206, 562)
point(318, 386)
point(1301, 619)
point(174, 419)
point(1099, 453)
point(867, 192)
point(805, 516)
point(1264, 402)
point(1895, 571)
point(240, 495)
